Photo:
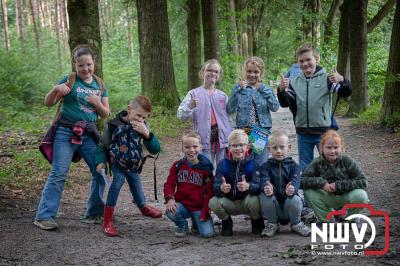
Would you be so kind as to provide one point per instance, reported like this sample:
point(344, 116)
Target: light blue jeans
point(305, 146)
point(135, 186)
point(290, 210)
point(216, 157)
point(206, 229)
point(63, 151)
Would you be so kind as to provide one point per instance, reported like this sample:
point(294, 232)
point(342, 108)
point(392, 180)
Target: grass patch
point(370, 117)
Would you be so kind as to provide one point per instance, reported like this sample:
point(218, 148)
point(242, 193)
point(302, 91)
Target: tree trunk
point(311, 22)
point(382, 13)
point(358, 56)
point(129, 29)
point(210, 29)
point(20, 21)
point(328, 24)
point(194, 43)
point(35, 27)
point(391, 100)
point(104, 20)
point(85, 28)
point(343, 62)
point(156, 65)
point(231, 31)
point(5, 24)
point(57, 23)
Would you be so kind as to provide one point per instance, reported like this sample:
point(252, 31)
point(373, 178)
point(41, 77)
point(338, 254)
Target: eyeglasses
point(212, 71)
point(240, 145)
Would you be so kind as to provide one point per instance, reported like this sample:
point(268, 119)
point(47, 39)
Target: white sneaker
point(46, 224)
point(270, 229)
point(301, 229)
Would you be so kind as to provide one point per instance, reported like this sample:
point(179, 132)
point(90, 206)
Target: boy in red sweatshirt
point(189, 188)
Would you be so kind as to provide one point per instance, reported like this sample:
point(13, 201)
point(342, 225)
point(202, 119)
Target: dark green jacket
point(345, 173)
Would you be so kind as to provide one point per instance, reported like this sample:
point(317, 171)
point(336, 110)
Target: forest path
point(144, 241)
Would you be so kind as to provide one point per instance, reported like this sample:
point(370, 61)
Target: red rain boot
point(152, 212)
point(108, 226)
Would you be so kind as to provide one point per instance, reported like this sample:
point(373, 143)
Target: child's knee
point(295, 202)
point(266, 201)
point(214, 203)
point(358, 196)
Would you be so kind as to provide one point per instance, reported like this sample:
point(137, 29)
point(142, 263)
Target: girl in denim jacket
point(206, 105)
point(252, 102)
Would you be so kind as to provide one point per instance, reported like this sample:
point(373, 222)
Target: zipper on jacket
point(236, 179)
point(307, 103)
point(280, 177)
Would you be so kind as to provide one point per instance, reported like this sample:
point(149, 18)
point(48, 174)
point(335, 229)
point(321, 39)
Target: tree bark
point(156, 65)
point(20, 21)
point(194, 43)
point(382, 13)
point(391, 100)
point(85, 28)
point(358, 56)
point(129, 29)
point(57, 23)
point(104, 20)
point(311, 22)
point(5, 24)
point(343, 62)
point(210, 29)
point(231, 31)
point(35, 27)
point(330, 19)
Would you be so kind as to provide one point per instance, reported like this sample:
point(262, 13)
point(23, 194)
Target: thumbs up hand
point(242, 84)
point(284, 83)
point(289, 189)
point(243, 185)
point(268, 189)
point(225, 187)
point(194, 102)
point(335, 77)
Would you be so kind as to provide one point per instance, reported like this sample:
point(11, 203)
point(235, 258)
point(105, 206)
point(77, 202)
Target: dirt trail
point(145, 241)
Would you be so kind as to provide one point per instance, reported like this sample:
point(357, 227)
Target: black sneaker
point(227, 226)
point(257, 226)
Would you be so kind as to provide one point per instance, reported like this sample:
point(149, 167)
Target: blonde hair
point(276, 134)
point(257, 62)
point(307, 48)
point(332, 134)
point(191, 135)
point(208, 63)
point(238, 134)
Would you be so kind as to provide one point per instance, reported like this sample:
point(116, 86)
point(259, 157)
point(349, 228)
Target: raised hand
point(63, 89)
point(194, 102)
point(94, 100)
point(289, 189)
point(335, 77)
point(284, 83)
point(225, 187)
point(141, 128)
point(171, 205)
point(268, 189)
point(243, 185)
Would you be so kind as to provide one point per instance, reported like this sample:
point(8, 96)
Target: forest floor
point(145, 241)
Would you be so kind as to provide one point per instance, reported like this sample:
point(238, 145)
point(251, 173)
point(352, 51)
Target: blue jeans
point(290, 210)
point(135, 186)
point(206, 229)
point(305, 145)
point(217, 156)
point(63, 151)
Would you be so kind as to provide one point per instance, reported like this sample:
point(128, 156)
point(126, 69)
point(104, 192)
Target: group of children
point(245, 181)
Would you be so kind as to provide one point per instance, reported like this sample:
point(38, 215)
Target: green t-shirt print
point(76, 106)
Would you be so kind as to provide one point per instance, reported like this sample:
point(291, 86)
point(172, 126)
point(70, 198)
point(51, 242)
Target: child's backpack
point(126, 149)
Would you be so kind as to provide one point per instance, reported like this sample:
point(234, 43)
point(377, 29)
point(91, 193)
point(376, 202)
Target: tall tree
point(231, 30)
point(156, 65)
point(57, 23)
point(358, 56)
point(35, 26)
point(194, 42)
point(311, 21)
point(343, 61)
point(85, 29)
point(5, 24)
point(210, 29)
point(20, 21)
point(330, 19)
point(129, 29)
point(391, 100)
